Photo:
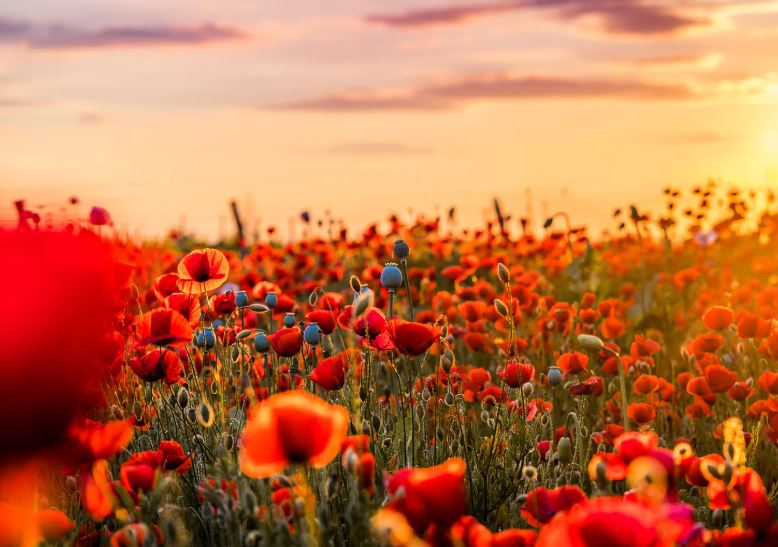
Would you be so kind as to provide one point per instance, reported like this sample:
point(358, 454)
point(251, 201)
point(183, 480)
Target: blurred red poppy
point(719, 378)
point(202, 270)
point(432, 495)
point(717, 317)
point(330, 373)
point(163, 327)
point(51, 372)
point(288, 428)
point(410, 338)
point(515, 374)
point(573, 362)
point(286, 342)
point(641, 413)
point(542, 504)
point(324, 318)
point(162, 364)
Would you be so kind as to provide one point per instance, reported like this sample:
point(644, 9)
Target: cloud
point(57, 36)
point(505, 86)
point(704, 61)
point(632, 17)
point(701, 137)
point(378, 148)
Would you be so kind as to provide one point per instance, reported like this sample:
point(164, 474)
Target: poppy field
point(413, 384)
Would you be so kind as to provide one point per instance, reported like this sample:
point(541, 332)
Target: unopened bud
point(503, 273)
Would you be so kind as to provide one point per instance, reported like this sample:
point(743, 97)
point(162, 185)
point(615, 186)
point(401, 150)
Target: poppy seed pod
point(289, 320)
point(391, 277)
point(271, 300)
point(241, 299)
point(401, 249)
point(206, 338)
point(261, 343)
point(554, 375)
point(312, 334)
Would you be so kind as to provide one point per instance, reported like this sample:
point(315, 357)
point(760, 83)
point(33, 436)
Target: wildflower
point(717, 318)
point(573, 362)
point(286, 342)
point(330, 373)
point(163, 327)
point(162, 364)
point(410, 338)
point(542, 504)
point(202, 270)
point(291, 428)
point(433, 495)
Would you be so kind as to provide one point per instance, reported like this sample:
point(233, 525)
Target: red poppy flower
point(165, 285)
point(324, 318)
point(410, 338)
point(768, 381)
point(202, 270)
point(542, 504)
point(516, 374)
point(645, 384)
point(136, 478)
point(163, 328)
point(641, 413)
point(224, 303)
point(291, 427)
point(286, 342)
point(717, 318)
point(186, 304)
point(617, 522)
point(162, 364)
point(372, 323)
point(750, 325)
point(330, 373)
point(573, 362)
point(432, 495)
point(593, 386)
point(719, 378)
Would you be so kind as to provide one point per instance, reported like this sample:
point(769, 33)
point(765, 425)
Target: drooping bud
point(503, 273)
point(590, 342)
point(564, 450)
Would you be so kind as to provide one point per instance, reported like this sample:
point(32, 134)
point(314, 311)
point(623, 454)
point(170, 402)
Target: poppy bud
point(529, 473)
point(364, 301)
point(527, 388)
point(229, 442)
point(313, 298)
point(312, 334)
point(117, 413)
point(271, 300)
point(564, 450)
point(365, 427)
point(501, 308)
point(261, 343)
point(205, 414)
point(376, 419)
point(444, 332)
point(401, 249)
point(71, 483)
point(449, 399)
point(503, 273)
point(244, 334)
point(391, 277)
point(355, 283)
point(446, 363)
point(241, 299)
point(554, 375)
point(183, 397)
point(590, 342)
point(548, 222)
point(259, 308)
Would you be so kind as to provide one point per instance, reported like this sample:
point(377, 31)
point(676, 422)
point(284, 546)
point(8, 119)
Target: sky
point(162, 112)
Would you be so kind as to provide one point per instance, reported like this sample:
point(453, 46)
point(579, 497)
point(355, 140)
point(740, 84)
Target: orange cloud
point(493, 86)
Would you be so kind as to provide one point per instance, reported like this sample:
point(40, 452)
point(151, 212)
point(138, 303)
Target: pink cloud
point(56, 36)
point(636, 17)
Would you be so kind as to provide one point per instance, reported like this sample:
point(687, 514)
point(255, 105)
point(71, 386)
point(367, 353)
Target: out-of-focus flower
point(293, 427)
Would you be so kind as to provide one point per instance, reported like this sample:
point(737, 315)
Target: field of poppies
point(411, 385)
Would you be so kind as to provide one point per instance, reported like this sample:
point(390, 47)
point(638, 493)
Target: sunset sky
point(164, 110)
